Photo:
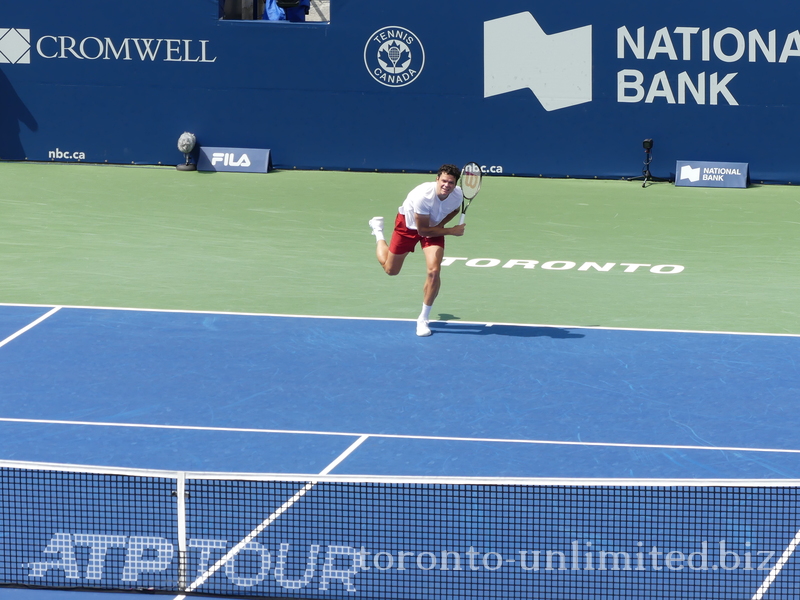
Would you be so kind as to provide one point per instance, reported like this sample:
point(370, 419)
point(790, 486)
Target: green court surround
point(297, 242)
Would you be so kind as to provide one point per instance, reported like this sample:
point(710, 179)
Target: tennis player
point(422, 219)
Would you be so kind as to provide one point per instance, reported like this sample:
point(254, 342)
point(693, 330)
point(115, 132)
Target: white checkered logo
point(15, 46)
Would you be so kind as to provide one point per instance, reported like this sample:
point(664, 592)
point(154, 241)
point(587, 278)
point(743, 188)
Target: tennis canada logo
point(15, 46)
point(394, 56)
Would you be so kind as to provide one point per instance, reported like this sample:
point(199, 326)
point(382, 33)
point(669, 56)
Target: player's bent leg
point(391, 262)
point(391, 256)
point(382, 251)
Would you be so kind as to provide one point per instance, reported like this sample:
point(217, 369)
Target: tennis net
point(306, 536)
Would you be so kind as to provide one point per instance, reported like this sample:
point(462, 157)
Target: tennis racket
point(471, 176)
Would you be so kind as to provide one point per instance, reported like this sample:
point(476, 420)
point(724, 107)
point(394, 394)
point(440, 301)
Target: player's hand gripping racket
point(471, 176)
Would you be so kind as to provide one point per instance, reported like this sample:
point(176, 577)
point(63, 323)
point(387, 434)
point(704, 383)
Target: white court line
point(269, 520)
point(398, 436)
point(338, 317)
point(344, 455)
point(777, 568)
point(14, 336)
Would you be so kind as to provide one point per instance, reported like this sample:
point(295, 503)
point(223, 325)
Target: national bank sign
point(16, 47)
point(557, 66)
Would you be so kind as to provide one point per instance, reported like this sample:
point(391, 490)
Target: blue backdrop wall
point(568, 88)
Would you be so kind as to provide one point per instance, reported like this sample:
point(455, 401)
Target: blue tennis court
point(253, 393)
point(566, 408)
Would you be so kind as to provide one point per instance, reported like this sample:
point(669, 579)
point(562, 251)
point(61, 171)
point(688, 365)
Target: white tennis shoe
point(422, 328)
point(376, 224)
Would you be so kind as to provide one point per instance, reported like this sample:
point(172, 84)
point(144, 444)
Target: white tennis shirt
point(423, 200)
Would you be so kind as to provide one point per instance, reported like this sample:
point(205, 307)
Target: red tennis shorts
point(404, 239)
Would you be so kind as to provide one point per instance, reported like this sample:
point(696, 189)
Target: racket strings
point(471, 176)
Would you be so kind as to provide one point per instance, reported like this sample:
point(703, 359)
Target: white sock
point(378, 233)
point(425, 314)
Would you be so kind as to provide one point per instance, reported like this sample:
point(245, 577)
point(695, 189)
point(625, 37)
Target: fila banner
point(237, 160)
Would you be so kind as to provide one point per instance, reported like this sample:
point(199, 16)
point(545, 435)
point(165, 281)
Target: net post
point(181, 514)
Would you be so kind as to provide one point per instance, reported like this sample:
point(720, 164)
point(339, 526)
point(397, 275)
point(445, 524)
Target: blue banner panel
point(526, 87)
point(711, 174)
point(237, 160)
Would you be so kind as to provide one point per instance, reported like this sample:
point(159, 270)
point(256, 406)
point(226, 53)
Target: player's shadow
point(507, 330)
point(13, 112)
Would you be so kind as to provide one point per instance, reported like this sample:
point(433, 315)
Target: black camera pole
point(648, 158)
